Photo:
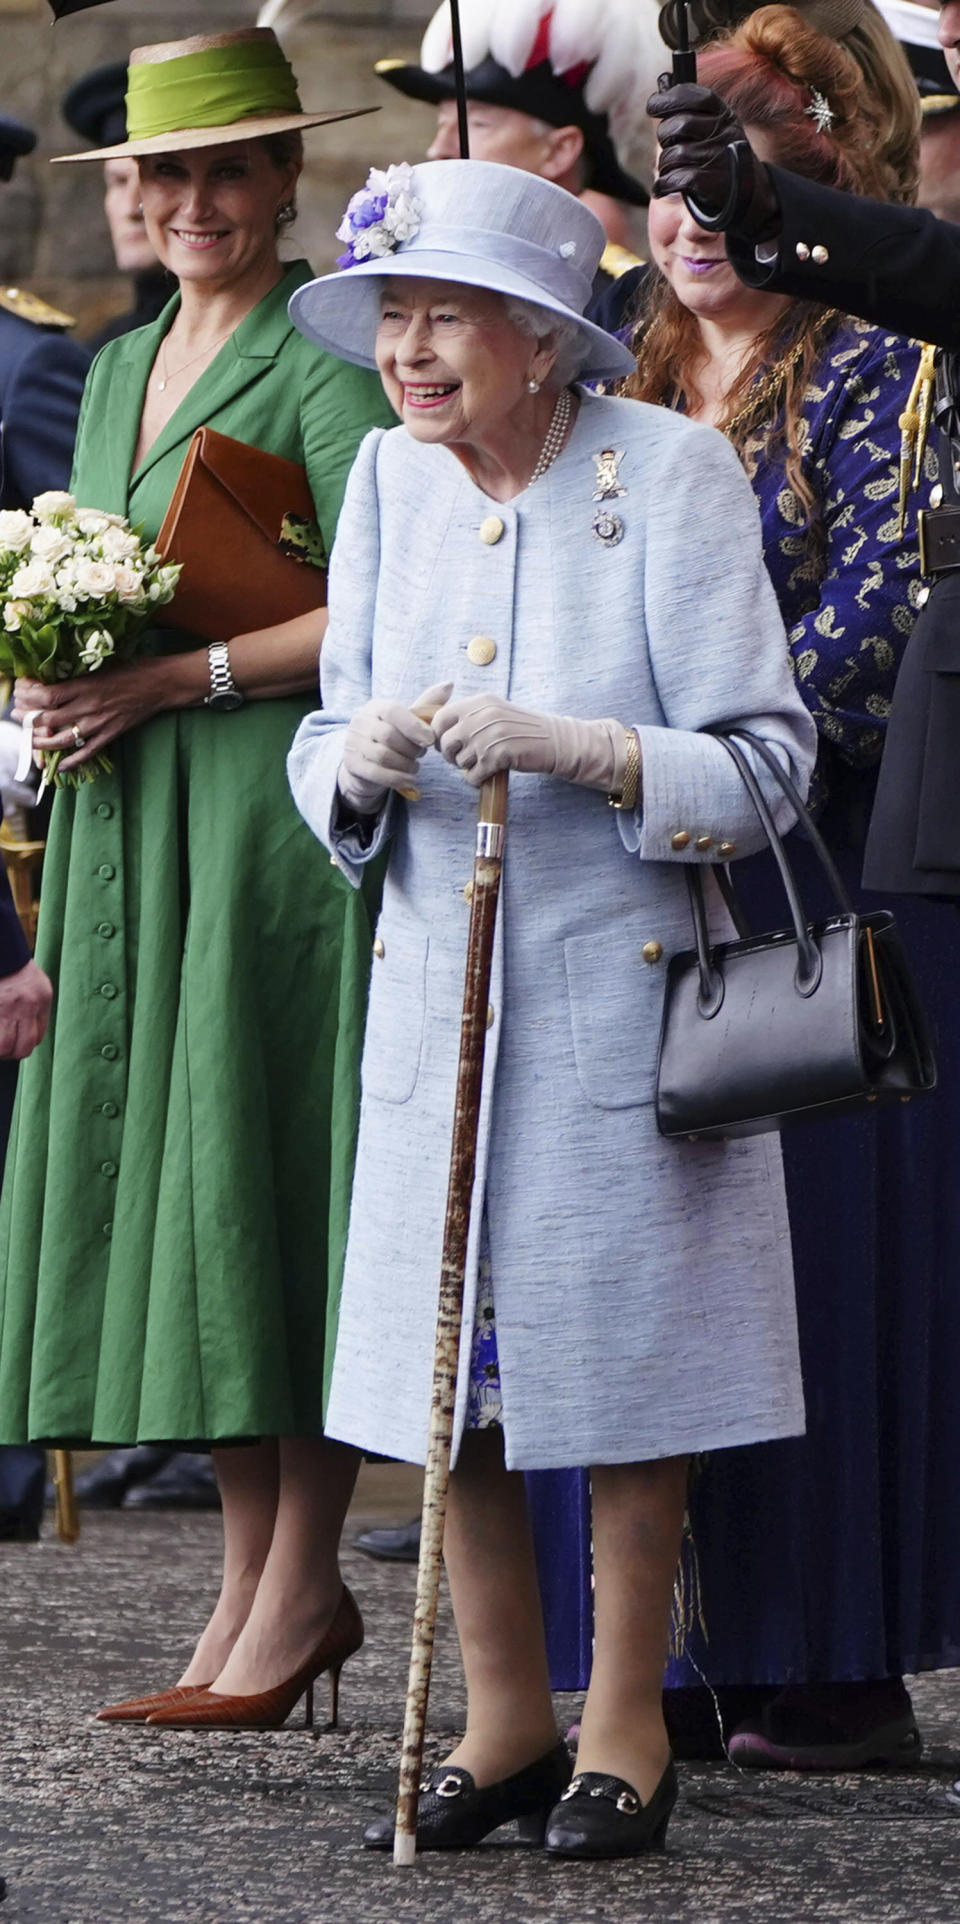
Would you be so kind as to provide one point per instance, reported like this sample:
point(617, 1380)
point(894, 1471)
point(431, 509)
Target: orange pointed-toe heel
point(136, 1710)
point(269, 1709)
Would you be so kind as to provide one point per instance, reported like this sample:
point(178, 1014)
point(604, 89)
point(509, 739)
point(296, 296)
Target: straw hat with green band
point(210, 89)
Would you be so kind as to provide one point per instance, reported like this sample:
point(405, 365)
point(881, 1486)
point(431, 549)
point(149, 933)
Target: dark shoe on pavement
point(600, 1816)
point(105, 1484)
point(186, 1482)
point(837, 1726)
point(454, 1815)
point(399, 1544)
point(700, 1720)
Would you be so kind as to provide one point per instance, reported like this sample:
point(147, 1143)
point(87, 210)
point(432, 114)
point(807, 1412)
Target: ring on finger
point(80, 741)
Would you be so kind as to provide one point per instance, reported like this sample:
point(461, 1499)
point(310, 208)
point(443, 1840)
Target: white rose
point(47, 507)
point(13, 614)
point(94, 579)
point(49, 543)
point(16, 529)
point(33, 581)
point(92, 521)
point(128, 584)
point(119, 544)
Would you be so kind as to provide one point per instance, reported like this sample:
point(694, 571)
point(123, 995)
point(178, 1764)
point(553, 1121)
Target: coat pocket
point(615, 984)
point(395, 1018)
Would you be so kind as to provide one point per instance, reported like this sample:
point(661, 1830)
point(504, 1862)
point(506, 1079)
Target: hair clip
point(820, 111)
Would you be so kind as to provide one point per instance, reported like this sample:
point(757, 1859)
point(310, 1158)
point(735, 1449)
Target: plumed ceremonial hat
point(15, 140)
point(584, 63)
point(207, 90)
point(471, 222)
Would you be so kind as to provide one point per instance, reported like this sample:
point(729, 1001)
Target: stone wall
point(52, 233)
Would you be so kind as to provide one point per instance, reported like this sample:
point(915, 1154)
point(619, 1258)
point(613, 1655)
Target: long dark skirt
point(835, 1556)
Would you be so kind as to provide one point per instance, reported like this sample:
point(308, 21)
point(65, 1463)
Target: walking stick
point(491, 826)
point(68, 1522)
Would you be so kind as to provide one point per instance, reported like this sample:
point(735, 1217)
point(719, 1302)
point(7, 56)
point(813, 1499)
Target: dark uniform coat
point(898, 267)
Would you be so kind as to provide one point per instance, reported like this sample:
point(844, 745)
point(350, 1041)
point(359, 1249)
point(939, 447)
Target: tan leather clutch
point(243, 526)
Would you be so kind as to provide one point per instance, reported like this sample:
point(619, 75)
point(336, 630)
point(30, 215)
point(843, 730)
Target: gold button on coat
point(936, 495)
point(820, 255)
point(803, 251)
point(652, 951)
point(680, 840)
point(491, 530)
point(703, 842)
point(726, 849)
point(378, 948)
point(481, 651)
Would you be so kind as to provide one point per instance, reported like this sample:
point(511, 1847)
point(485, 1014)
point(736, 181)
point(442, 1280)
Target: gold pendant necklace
point(162, 358)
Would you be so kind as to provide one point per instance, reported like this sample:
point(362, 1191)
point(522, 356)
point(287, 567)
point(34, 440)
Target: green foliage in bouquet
point(77, 589)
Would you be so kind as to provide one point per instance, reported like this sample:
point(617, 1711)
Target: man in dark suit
point(900, 268)
point(41, 382)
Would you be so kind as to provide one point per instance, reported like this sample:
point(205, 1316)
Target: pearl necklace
point(556, 435)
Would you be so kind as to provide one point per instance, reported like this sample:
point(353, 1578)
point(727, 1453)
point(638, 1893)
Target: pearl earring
point(533, 387)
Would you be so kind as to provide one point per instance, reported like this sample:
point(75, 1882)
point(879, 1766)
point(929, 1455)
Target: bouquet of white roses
point(77, 588)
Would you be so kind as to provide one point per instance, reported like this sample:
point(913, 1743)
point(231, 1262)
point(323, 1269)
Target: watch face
point(226, 699)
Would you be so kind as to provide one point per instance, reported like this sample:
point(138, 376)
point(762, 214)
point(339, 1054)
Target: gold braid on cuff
point(627, 797)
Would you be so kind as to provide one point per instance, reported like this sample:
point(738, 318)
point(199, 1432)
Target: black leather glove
point(706, 157)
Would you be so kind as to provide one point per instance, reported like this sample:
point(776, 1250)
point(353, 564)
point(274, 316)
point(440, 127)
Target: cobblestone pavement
point(107, 1826)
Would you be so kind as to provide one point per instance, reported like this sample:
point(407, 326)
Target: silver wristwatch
point(224, 693)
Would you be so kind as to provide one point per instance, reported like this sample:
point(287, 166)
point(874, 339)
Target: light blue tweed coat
point(643, 1289)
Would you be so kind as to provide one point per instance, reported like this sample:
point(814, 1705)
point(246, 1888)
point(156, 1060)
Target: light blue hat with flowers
point(472, 222)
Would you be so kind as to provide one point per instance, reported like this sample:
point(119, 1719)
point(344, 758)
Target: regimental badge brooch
point(607, 526)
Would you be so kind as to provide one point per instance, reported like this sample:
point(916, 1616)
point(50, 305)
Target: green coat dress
point(177, 1185)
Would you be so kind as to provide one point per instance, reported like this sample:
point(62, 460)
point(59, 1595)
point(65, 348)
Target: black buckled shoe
point(600, 1816)
point(454, 1815)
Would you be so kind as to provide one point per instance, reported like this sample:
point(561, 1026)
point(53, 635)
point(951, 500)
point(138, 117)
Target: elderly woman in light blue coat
point(577, 581)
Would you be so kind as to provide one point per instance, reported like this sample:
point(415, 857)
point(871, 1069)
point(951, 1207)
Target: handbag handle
point(809, 962)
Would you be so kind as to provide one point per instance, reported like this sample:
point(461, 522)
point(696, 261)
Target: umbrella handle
point(491, 827)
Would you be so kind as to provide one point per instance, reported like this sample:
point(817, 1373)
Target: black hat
point(15, 140)
point(96, 105)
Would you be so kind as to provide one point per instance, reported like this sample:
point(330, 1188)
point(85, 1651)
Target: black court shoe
point(600, 1816)
point(454, 1815)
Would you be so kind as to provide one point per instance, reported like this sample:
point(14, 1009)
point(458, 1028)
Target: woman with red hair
point(825, 1570)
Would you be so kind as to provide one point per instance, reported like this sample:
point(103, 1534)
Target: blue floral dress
point(835, 1556)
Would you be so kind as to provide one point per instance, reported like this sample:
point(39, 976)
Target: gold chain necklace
point(768, 388)
point(162, 358)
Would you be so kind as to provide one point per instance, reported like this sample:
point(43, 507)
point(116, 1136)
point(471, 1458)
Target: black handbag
point(812, 1020)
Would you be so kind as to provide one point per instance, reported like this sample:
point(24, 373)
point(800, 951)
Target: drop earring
point(533, 387)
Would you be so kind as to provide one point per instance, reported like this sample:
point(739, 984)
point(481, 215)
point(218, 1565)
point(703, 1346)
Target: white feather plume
point(476, 24)
point(282, 14)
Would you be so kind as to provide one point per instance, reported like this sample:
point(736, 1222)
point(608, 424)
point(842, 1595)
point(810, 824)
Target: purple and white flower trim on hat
point(383, 215)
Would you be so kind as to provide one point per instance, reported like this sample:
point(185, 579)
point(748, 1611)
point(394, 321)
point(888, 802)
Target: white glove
point(482, 734)
point(383, 745)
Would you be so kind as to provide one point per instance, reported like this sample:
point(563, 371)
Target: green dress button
point(104, 810)
point(108, 989)
point(108, 1169)
point(106, 871)
point(109, 1109)
point(108, 1230)
point(109, 1052)
point(106, 929)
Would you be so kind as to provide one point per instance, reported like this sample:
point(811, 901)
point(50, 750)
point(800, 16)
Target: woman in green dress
point(177, 1187)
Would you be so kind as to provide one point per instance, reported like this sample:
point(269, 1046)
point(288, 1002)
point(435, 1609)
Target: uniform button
point(108, 1169)
point(108, 989)
point(468, 891)
point(106, 871)
point(820, 255)
point(109, 1052)
point(703, 842)
point(104, 810)
point(726, 849)
point(936, 495)
point(378, 948)
point(680, 840)
point(490, 1015)
point(106, 929)
point(491, 530)
point(652, 951)
point(108, 1230)
point(481, 651)
point(803, 251)
point(108, 1109)
point(923, 596)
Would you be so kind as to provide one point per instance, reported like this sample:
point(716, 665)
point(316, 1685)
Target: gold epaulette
point(616, 260)
point(16, 300)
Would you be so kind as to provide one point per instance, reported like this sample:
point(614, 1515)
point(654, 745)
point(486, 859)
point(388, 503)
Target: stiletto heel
point(268, 1709)
point(334, 1723)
